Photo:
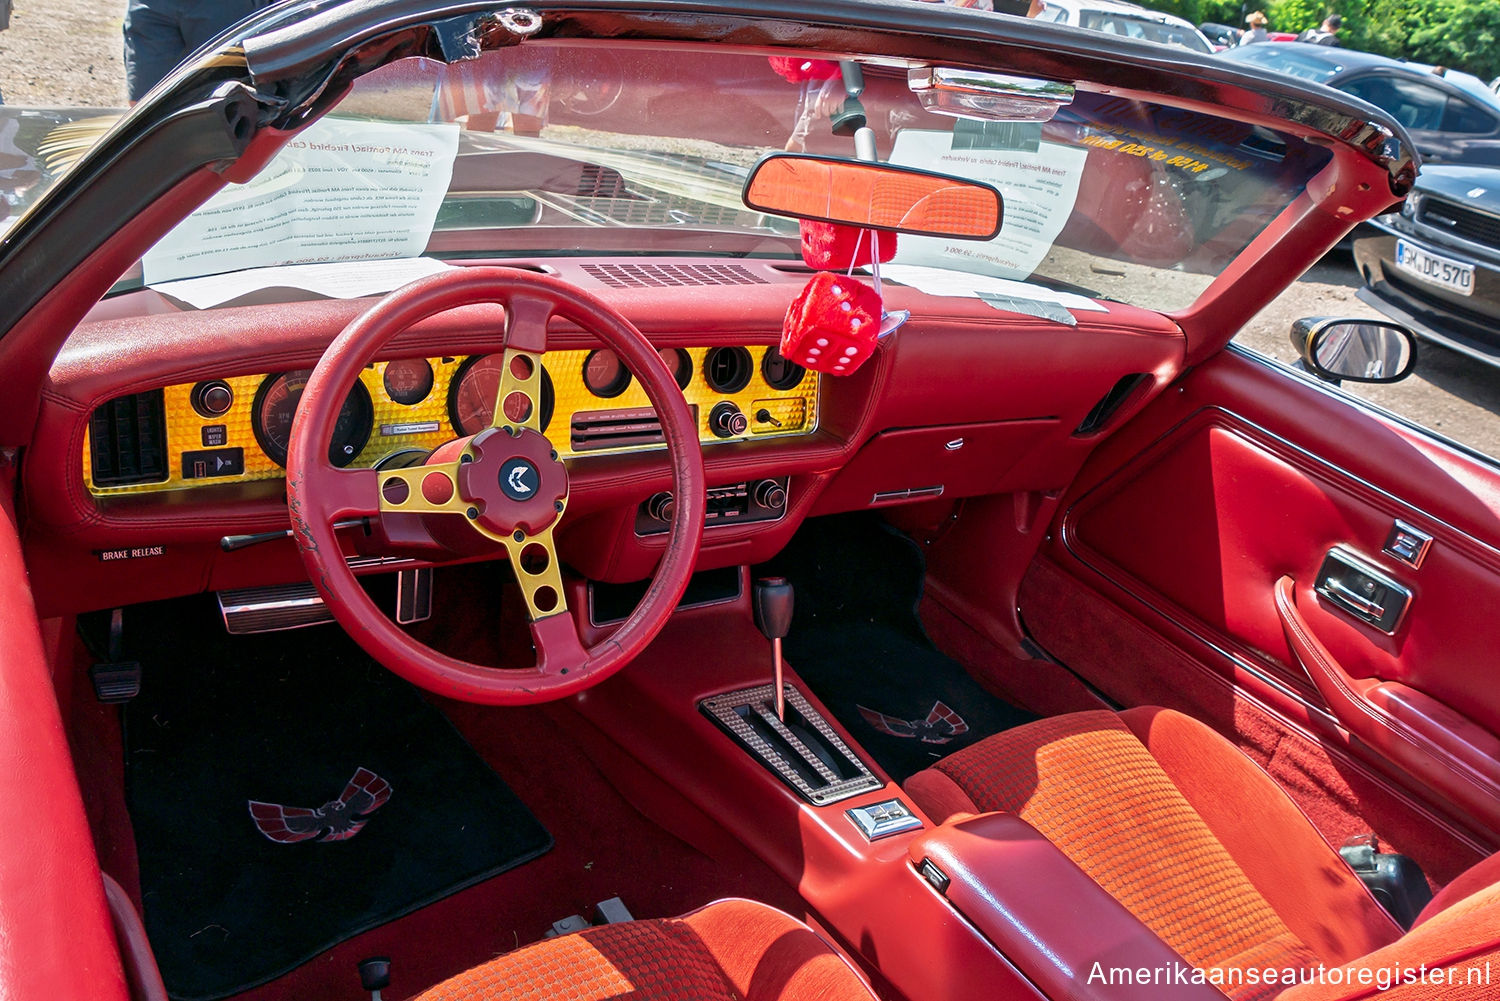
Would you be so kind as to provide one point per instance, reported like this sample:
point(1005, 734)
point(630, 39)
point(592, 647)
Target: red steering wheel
point(506, 483)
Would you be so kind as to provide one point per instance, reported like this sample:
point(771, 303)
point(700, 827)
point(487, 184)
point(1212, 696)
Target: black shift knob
point(772, 599)
point(375, 973)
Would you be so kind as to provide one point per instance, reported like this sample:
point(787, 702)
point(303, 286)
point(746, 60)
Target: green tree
point(1465, 36)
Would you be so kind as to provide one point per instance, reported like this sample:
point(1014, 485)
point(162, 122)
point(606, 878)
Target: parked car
point(1220, 36)
point(1127, 20)
point(1452, 116)
point(471, 527)
point(1435, 264)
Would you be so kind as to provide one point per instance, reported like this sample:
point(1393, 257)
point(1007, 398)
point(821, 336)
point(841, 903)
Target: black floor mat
point(297, 720)
point(858, 643)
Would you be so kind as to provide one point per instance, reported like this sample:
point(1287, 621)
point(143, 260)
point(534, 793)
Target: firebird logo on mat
point(941, 725)
point(336, 820)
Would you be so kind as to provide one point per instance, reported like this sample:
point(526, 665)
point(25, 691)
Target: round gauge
point(408, 381)
point(604, 374)
point(276, 404)
point(471, 395)
point(679, 363)
point(779, 372)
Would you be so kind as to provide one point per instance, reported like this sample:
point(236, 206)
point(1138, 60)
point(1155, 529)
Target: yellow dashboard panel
point(238, 444)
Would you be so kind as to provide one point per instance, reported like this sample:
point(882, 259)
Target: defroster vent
point(128, 440)
point(671, 275)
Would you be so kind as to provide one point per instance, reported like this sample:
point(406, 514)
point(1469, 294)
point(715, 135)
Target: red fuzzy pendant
point(829, 246)
point(832, 325)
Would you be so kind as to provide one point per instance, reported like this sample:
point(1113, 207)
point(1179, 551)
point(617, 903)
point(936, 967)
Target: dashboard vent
point(728, 370)
point(1110, 403)
point(596, 429)
point(671, 275)
point(128, 440)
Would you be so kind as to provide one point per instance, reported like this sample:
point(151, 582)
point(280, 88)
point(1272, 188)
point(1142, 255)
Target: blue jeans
point(159, 33)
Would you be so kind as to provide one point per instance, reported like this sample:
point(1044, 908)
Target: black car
point(1435, 265)
point(1452, 117)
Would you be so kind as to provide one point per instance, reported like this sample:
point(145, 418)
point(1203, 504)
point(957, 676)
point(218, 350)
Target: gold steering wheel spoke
point(534, 558)
point(520, 379)
point(421, 490)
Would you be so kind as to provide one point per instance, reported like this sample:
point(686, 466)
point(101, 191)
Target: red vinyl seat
point(732, 950)
point(1214, 858)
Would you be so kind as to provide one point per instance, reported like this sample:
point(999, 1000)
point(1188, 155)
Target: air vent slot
point(596, 429)
point(671, 275)
point(128, 440)
point(1110, 403)
point(728, 370)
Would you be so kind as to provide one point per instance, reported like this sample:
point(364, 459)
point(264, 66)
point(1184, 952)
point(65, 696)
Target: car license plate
point(1456, 276)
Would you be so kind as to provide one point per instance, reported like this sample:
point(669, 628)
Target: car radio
point(753, 500)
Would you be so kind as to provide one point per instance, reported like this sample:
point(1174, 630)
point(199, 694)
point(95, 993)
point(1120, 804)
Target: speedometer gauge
point(471, 395)
point(276, 404)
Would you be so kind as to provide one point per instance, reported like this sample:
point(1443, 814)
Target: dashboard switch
point(212, 399)
point(213, 462)
point(770, 495)
point(660, 506)
point(726, 421)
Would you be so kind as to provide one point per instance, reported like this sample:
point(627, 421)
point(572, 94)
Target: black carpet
point(858, 643)
point(291, 719)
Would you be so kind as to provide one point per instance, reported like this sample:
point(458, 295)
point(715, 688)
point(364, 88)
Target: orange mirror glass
point(874, 195)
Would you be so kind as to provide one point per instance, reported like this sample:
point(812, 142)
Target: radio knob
point(212, 399)
point(770, 494)
point(726, 421)
point(660, 506)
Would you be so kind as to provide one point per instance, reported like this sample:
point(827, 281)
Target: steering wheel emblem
point(518, 479)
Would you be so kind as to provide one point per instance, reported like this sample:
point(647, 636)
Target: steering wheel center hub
point(513, 481)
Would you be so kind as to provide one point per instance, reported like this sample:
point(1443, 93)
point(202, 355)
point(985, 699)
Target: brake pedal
point(116, 680)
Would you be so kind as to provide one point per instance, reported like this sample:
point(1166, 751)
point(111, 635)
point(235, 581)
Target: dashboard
point(237, 429)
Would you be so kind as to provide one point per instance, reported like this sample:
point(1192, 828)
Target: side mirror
point(1357, 350)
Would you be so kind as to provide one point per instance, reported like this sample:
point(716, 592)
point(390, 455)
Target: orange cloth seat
point(732, 950)
point(1203, 847)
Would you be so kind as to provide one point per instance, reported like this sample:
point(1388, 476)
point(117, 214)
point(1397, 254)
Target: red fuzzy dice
point(832, 325)
point(827, 245)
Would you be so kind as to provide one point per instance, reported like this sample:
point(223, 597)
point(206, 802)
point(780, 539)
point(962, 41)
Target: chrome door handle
point(1353, 585)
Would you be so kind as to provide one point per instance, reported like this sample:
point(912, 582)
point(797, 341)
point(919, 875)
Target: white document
point(1039, 190)
point(341, 190)
point(945, 281)
point(337, 281)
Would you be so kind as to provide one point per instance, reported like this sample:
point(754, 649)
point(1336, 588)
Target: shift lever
point(772, 599)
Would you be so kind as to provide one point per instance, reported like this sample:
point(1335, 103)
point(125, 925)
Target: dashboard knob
point(212, 399)
point(726, 421)
point(770, 494)
point(660, 506)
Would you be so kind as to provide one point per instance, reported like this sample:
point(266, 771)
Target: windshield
point(1293, 60)
point(1146, 29)
point(571, 149)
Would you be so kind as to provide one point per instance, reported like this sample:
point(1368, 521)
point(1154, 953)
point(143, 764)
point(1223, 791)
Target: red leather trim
point(1471, 779)
point(135, 949)
point(56, 940)
point(938, 795)
point(1028, 899)
point(1476, 878)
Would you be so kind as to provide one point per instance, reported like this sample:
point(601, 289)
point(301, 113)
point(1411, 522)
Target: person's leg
point(153, 44)
point(203, 20)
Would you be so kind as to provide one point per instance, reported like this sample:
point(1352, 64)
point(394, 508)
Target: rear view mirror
point(874, 196)
point(1357, 350)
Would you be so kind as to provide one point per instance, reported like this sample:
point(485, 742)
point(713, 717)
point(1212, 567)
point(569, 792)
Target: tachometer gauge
point(605, 374)
point(276, 404)
point(471, 395)
point(408, 380)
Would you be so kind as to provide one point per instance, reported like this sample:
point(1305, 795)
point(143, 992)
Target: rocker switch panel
point(1408, 544)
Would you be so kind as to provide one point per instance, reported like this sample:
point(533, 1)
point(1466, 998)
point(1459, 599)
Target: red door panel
point(1235, 487)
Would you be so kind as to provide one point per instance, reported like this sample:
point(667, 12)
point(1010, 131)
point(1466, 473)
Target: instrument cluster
point(237, 429)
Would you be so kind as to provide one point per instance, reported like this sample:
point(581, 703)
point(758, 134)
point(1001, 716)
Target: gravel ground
point(67, 52)
point(63, 53)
